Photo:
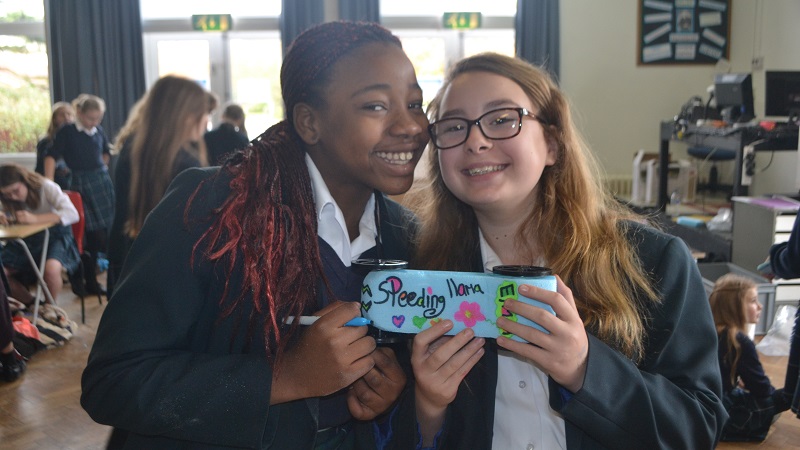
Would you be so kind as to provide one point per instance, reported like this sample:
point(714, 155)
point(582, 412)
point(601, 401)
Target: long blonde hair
point(54, 127)
point(728, 301)
point(583, 241)
point(172, 107)
point(84, 103)
point(131, 124)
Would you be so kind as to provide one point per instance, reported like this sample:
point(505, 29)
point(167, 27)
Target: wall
point(25, 159)
point(771, 27)
point(619, 105)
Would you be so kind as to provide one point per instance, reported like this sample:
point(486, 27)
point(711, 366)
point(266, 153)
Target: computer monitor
point(734, 95)
point(782, 95)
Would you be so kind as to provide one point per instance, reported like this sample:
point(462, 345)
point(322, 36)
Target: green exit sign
point(212, 22)
point(462, 20)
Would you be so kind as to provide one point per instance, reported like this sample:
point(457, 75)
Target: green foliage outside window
point(24, 89)
point(24, 116)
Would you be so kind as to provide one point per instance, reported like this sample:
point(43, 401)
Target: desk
point(735, 139)
point(18, 233)
point(714, 244)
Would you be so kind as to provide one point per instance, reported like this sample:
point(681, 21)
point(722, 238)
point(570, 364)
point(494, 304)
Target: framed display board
point(683, 31)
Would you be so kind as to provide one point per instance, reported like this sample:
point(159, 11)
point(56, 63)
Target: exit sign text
point(462, 20)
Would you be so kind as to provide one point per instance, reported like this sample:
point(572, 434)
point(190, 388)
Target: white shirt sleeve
point(56, 201)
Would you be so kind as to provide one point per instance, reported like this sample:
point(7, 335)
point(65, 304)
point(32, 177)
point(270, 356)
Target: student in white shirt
point(29, 198)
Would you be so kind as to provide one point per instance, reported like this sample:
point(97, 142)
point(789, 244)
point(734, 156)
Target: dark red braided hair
point(268, 225)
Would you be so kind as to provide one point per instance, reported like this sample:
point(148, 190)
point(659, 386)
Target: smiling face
point(752, 307)
point(493, 175)
point(372, 130)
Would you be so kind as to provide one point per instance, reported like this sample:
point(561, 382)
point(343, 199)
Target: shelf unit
point(758, 223)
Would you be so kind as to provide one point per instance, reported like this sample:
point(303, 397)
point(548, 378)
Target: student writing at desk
point(29, 198)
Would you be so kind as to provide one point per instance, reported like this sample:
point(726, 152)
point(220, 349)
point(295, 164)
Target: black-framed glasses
point(497, 124)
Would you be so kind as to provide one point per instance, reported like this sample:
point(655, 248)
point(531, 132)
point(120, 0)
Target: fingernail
point(524, 288)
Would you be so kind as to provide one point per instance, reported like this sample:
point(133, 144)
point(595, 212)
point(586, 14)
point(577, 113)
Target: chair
point(712, 154)
point(76, 279)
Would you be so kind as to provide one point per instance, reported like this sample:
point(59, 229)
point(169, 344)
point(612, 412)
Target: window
point(432, 48)
point(241, 65)
point(427, 8)
point(24, 79)
point(160, 9)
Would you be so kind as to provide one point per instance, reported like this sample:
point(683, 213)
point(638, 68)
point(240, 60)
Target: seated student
point(748, 395)
point(28, 198)
point(629, 360)
point(230, 135)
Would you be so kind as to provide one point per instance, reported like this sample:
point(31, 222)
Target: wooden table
point(17, 233)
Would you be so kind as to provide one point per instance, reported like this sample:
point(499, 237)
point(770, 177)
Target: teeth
point(484, 170)
point(396, 157)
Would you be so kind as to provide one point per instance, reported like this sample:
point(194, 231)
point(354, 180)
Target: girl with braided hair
point(195, 351)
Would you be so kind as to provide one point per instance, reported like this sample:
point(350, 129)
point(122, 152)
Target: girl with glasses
point(196, 349)
point(629, 359)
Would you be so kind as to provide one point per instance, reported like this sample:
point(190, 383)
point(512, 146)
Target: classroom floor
point(785, 433)
point(41, 410)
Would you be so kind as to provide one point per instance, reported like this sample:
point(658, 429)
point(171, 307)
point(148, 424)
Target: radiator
point(619, 185)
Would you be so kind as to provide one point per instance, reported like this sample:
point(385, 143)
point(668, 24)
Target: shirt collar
point(490, 258)
point(331, 225)
point(83, 129)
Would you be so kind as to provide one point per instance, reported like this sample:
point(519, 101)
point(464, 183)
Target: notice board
point(683, 31)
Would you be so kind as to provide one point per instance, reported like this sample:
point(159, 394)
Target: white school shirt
point(330, 219)
point(53, 200)
point(83, 129)
point(523, 419)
